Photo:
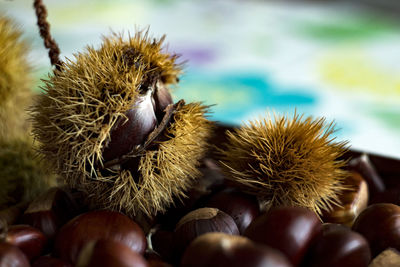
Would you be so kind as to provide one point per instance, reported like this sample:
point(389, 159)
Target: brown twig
point(44, 28)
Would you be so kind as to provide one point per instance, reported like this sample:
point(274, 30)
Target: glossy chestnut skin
point(353, 200)
point(380, 225)
point(288, 229)
point(48, 261)
point(364, 166)
point(220, 249)
point(50, 211)
point(96, 225)
point(105, 253)
point(201, 221)
point(243, 208)
point(338, 246)
point(28, 239)
point(11, 255)
point(391, 195)
point(162, 242)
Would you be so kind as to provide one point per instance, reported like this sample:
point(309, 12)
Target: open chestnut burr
point(107, 123)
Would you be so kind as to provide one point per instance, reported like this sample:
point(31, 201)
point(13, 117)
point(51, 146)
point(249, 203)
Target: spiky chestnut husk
point(286, 161)
point(23, 176)
point(15, 80)
point(83, 103)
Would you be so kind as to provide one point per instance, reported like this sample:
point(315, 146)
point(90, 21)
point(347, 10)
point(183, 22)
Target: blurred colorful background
point(337, 59)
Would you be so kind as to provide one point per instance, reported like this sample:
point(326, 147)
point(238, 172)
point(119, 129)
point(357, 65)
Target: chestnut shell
point(96, 225)
point(288, 229)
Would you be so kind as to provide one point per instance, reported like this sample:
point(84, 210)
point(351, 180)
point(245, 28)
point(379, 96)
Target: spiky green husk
point(287, 162)
point(73, 119)
point(23, 175)
point(165, 173)
point(15, 80)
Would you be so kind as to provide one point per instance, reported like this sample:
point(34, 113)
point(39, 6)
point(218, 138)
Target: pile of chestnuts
point(216, 226)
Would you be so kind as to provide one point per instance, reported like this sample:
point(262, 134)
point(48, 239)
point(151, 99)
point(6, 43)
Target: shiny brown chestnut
point(105, 253)
point(210, 181)
point(11, 255)
point(288, 229)
point(50, 211)
point(391, 195)
point(201, 221)
point(220, 249)
point(380, 225)
point(48, 261)
point(364, 166)
point(162, 243)
point(338, 246)
point(243, 208)
point(28, 239)
point(353, 200)
point(96, 225)
point(155, 260)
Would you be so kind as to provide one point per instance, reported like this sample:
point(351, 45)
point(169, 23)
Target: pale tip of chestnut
point(388, 258)
point(201, 221)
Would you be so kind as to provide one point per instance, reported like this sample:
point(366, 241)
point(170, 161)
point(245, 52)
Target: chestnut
point(220, 249)
point(28, 239)
point(11, 255)
point(96, 225)
point(243, 208)
point(50, 211)
point(338, 246)
point(48, 261)
point(391, 195)
point(210, 181)
point(201, 221)
point(380, 225)
point(161, 241)
point(364, 166)
point(288, 229)
point(388, 258)
point(104, 253)
point(353, 200)
point(11, 214)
